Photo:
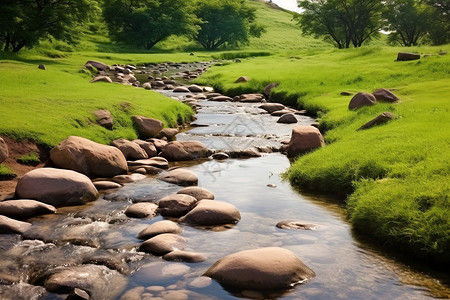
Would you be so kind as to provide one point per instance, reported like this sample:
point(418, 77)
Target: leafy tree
point(439, 27)
point(407, 20)
point(24, 22)
point(144, 23)
point(225, 22)
point(342, 22)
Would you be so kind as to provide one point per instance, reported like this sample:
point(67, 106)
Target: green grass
point(6, 173)
point(31, 158)
point(394, 177)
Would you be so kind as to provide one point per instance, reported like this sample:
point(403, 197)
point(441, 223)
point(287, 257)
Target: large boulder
point(130, 150)
point(176, 205)
point(179, 151)
point(90, 158)
point(260, 269)
point(197, 192)
point(56, 187)
point(378, 120)
point(4, 153)
point(304, 139)
point(384, 95)
point(8, 225)
point(98, 65)
point(211, 213)
point(163, 244)
point(24, 208)
point(180, 176)
point(160, 227)
point(405, 56)
point(271, 107)
point(362, 99)
point(148, 127)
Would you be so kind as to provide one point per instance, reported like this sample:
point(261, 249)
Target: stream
point(345, 268)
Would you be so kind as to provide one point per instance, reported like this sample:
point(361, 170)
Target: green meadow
point(394, 179)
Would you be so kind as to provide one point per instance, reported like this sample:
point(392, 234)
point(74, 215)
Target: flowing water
point(100, 232)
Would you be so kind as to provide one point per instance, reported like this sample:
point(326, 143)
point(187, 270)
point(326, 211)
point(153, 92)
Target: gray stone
point(185, 256)
point(288, 224)
point(98, 65)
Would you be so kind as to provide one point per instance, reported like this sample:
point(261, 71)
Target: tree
point(407, 20)
point(342, 22)
point(439, 27)
point(24, 22)
point(144, 23)
point(225, 22)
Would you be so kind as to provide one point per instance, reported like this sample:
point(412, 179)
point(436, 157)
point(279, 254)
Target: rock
point(181, 89)
point(78, 294)
point(288, 224)
point(101, 78)
point(168, 133)
point(198, 193)
point(200, 282)
point(195, 88)
point(209, 213)
point(248, 153)
point(122, 179)
point(133, 294)
point(148, 147)
point(104, 118)
point(180, 176)
point(184, 256)
point(180, 151)
point(147, 86)
point(4, 153)
point(24, 209)
point(56, 187)
point(362, 99)
point(21, 291)
point(141, 210)
point(161, 272)
point(163, 244)
point(260, 269)
point(242, 79)
point(271, 107)
point(212, 95)
point(220, 156)
point(405, 56)
point(159, 162)
point(106, 185)
point(378, 120)
point(287, 119)
point(176, 205)
point(221, 98)
point(160, 227)
point(384, 95)
point(157, 84)
point(148, 127)
point(279, 113)
point(130, 150)
point(268, 89)
point(250, 98)
point(8, 226)
point(90, 158)
point(96, 64)
point(346, 93)
point(98, 281)
point(42, 67)
point(169, 81)
point(304, 139)
point(159, 144)
point(208, 89)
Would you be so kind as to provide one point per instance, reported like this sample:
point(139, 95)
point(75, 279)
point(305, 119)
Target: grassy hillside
point(396, 176)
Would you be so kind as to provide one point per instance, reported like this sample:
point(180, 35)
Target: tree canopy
point(143, 23)
point(24, 22)
point(225, 22)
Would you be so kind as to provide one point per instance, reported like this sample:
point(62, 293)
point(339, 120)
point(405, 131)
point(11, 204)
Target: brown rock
point(163, 244)
point(221, 98)
point(180, 151)
point(42, 67)
point(378, 120)
point(198, 193)
point(288, 118)
point(8, 226)
point(104, 118)
point(121, 179)
point(195, 88)
point(56, 187)
point(260, 269)
point(304, 139)
point(101, 78)
point(362, 99)
point(157, 84)
point(158, 162)
point(271, 107)
point(180, 176)
point(176, 205)
point(148, 127)
point(250, 98)
point(159, 143)
point(268, 89)
point(211, 213)
point(242, 79)
point(168, 133)
point(288, 224)
point(141, 210)
point(344, 93)
point(405, 56)
point(4, 153)
point(24, 209)
point(384, 95)
point(98, 65)
point(279, 113)
point(130, 150)
point(181, 89)
point(147, 86)
point(106, 185)
point(160, 227)
point(212, 95)
point(90, 158)
point(184, 256)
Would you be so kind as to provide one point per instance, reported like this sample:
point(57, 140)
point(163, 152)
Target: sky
point(287, 4)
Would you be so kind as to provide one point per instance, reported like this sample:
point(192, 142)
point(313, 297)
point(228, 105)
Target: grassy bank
point(394, 178)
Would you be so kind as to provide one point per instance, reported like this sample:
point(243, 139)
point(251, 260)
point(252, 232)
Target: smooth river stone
point(198, 193)
point(176, 205)
point(207, 213)
point(160, 227)
point(163, 244)
point(288, 224)
point(8, 225)
point(185, 256)
point(141, 210)
point(24, 208)
point(180, 176)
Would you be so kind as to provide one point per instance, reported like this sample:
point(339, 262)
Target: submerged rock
point(288, 224)
point(8, 225)
point(212, 213)
point(181, 151)
point(24, 209)
point(260, 269)
point(180, 176)
point(163, 244)
point(198, 193)
point(185, 256)
point(176, 205)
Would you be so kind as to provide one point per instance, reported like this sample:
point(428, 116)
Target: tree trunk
point(7, 42)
